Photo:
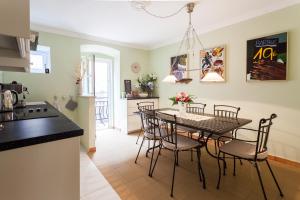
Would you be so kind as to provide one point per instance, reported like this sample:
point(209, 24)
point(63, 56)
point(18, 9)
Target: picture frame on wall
point(179, 66)
point(267, 58)
point(127, 84)
point(212, 64)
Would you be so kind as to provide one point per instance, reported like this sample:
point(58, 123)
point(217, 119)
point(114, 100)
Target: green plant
point(147, 82)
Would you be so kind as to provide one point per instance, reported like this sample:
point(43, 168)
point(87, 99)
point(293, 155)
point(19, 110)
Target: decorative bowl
point(143, 94)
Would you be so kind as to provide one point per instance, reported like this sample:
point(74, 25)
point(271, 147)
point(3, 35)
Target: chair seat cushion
point(159, 133)
point(242, 149)
point(183, 143)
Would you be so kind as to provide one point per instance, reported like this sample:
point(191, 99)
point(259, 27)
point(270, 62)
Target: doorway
point(103, 93)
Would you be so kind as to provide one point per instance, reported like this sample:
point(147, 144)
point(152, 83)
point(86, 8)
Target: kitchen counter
point(47, 166)
point(21, 133)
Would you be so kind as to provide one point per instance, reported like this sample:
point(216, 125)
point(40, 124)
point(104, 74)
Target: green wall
point(65, 58)
point(256, 99)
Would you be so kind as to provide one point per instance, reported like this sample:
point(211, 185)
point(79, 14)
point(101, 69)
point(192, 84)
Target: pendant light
point(189, 41)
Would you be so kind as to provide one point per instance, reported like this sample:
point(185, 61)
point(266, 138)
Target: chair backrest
point(196, 108)
point(170, 126)
point(263, 134)
point(145, 116)
point(226, 111)
point(146, 105)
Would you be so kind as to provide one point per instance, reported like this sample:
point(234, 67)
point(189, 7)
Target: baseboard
point(92, 150)
point(134, 131)
point(284, 161)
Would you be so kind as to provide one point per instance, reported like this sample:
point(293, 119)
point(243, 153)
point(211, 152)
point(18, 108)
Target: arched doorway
point(104, 56)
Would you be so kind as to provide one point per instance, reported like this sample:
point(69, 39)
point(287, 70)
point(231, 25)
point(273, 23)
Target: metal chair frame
point(194, 108)
point(150, 125)
point(171, 127)
point(226, 111)
point(261, 147)
point(149, 105)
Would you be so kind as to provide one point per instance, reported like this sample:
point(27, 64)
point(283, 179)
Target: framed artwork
point(267, 58)
point(127, 84)
point(179, 65)
point(212, 60)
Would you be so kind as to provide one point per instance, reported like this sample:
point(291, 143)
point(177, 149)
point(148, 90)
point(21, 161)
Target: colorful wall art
point(267, 58)
point(212, 64)
point(179, 65)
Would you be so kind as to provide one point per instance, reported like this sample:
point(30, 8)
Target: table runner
point(189, 116)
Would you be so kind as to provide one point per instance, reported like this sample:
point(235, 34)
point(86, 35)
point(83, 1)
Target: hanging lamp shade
point(170, 79)
point(212, 77)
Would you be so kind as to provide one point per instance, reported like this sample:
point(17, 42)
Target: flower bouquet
point(147, 83)
point(182, 99)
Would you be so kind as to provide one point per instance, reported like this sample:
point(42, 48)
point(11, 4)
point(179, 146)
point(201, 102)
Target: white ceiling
point(119, 22)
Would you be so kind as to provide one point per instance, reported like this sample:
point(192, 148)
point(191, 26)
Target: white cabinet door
point(133, 123)
point(133, 119)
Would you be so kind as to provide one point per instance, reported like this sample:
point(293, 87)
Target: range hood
point(14, 53)
point(14, 35)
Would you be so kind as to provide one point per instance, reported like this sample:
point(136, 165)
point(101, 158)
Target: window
point(40, 60)
point(88, 68)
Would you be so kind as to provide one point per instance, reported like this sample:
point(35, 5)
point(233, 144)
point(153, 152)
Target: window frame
point(45, 52)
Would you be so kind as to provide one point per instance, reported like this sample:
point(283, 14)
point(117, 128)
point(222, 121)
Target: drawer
point(131, 110)
point(132, 103)
point(133, 123)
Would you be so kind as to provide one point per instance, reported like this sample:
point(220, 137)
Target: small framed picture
point(127, 84)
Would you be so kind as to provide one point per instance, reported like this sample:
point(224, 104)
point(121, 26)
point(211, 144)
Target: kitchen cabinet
point(44, 171)
point(14, 18)
point(14, 35)
point(131, 121)
point(39, 156)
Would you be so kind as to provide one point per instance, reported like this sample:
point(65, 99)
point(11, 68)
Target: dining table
point(205, 123)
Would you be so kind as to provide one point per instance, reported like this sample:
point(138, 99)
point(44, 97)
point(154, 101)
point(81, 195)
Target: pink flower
point(182, 94)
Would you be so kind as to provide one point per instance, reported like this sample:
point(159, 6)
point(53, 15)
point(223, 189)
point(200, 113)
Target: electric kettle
point(8, 98)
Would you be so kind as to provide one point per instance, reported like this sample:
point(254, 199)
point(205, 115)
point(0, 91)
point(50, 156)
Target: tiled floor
point(115, 159)
point(93, 185)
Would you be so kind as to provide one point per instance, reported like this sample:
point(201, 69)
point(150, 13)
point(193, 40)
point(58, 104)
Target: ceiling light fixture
point(189, 40)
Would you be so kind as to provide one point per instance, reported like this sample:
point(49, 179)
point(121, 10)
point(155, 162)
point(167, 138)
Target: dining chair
point(149, 105)
point(193, 108)
point(225, 111)
point(252, 150)
point(151, 130)
point(177, 143)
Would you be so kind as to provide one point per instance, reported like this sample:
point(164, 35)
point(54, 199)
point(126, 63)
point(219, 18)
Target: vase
point(150, 93)
point(143, 94)
point(182, 109)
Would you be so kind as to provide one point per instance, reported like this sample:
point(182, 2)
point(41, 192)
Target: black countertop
point(136, 98)
point(21, 133)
